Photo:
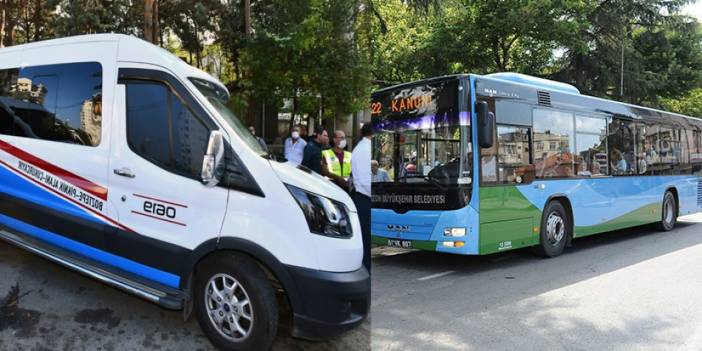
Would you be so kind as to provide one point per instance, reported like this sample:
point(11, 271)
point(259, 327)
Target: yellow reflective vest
point(335, 166)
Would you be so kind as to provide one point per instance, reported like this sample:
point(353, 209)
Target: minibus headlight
point(324, 216)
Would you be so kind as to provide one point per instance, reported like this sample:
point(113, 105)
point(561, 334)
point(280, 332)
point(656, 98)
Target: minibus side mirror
point(486, 125)
point(213, 162)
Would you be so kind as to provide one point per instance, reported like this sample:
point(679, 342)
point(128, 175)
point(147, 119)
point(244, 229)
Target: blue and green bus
point(473, 165)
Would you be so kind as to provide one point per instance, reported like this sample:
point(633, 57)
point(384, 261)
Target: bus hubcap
point(228, 307)
point(555, 228)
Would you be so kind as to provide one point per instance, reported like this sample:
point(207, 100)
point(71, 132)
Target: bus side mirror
point(486, 125)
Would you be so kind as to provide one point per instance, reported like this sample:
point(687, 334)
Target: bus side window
point(621, 147)
point(695, 142)
point(669, 150)
point(553, 144)
point(591, 146)
point(513, 155)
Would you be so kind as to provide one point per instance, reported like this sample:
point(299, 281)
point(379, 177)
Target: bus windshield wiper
point(435, 182)
point(428, 179)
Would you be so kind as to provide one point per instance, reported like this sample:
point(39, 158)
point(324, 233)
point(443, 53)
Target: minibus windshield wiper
point(270, 156)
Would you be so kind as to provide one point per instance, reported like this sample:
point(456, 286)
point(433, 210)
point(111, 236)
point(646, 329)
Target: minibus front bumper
point(331, 303)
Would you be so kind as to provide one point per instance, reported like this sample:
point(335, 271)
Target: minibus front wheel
point(235, 303)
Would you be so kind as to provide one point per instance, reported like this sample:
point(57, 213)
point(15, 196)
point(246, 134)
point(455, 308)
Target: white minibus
point(122, 162)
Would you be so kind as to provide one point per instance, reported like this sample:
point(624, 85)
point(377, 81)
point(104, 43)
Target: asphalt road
point(46, 307)
point(628, 290)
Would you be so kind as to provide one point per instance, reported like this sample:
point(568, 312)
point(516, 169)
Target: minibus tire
point(669, 213)
point(556, 214)
point(263, 307)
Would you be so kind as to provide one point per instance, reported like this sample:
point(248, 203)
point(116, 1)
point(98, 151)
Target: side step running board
point(158, 297)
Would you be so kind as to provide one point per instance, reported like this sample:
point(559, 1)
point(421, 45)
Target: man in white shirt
point(295, 147)
point(361, 174)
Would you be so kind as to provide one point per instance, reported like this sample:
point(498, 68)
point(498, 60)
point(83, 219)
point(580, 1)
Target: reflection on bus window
point(591, 146)
point(621, 147)
point(513, 154)
point(553, 147)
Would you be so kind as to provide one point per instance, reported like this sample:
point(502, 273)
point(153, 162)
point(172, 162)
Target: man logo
point(398, 228)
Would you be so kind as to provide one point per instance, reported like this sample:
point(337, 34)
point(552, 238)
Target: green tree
point(75, 17)
point(612, 29)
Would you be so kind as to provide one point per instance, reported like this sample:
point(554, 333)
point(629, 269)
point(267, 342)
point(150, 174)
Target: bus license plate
point(405, 244)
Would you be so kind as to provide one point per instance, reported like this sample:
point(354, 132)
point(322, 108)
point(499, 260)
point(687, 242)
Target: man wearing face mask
point(295, 147)
point(337, 160)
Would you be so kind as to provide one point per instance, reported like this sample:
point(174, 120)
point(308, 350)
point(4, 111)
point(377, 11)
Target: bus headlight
point(455, 232)
point(324, 216)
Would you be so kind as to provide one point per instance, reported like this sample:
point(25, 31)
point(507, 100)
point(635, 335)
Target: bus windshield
point(421, 147)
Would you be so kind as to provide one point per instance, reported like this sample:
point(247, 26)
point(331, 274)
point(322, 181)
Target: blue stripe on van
point(107, 258)
point(21, 188)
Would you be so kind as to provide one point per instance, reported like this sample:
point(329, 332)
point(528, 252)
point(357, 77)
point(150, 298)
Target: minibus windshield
point(218, 97)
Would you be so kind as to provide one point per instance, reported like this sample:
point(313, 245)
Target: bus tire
point(669, 212)
point(235, 303)
point(555, 230)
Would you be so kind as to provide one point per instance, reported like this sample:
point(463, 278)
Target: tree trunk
point(247, 17)
point(157, 24)
point(10, 24)
point(151, 25)
point(3, 10)
point(38, 20)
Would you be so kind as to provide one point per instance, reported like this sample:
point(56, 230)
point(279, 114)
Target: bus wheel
point(669, 213)
point(555, 230)
point(235, 304)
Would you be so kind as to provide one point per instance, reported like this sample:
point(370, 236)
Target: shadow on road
point(489, 300)
point(46, 307)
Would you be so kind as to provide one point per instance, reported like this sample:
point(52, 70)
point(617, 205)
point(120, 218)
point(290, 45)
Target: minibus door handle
point(125, 172)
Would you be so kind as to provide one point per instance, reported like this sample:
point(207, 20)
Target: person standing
point(378, 175)
point(337, 161)
point(295, 147)
point(259, 139)
point(312, 155)
point(361, 171)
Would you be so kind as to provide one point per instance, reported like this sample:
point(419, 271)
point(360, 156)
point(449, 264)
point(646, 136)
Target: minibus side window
point(163, 130)
point(60, 102)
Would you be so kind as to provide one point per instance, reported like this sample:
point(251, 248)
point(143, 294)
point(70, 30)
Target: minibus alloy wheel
point(235, 303)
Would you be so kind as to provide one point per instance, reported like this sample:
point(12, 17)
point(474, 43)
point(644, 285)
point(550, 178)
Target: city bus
point(479, 164)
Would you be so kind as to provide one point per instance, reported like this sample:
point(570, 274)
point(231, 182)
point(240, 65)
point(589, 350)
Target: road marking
point(437, 275)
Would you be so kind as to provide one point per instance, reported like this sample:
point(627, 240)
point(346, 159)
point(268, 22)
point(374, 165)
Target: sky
point(694, 9)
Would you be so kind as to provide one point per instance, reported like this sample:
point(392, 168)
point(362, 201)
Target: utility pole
point(621, 79)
